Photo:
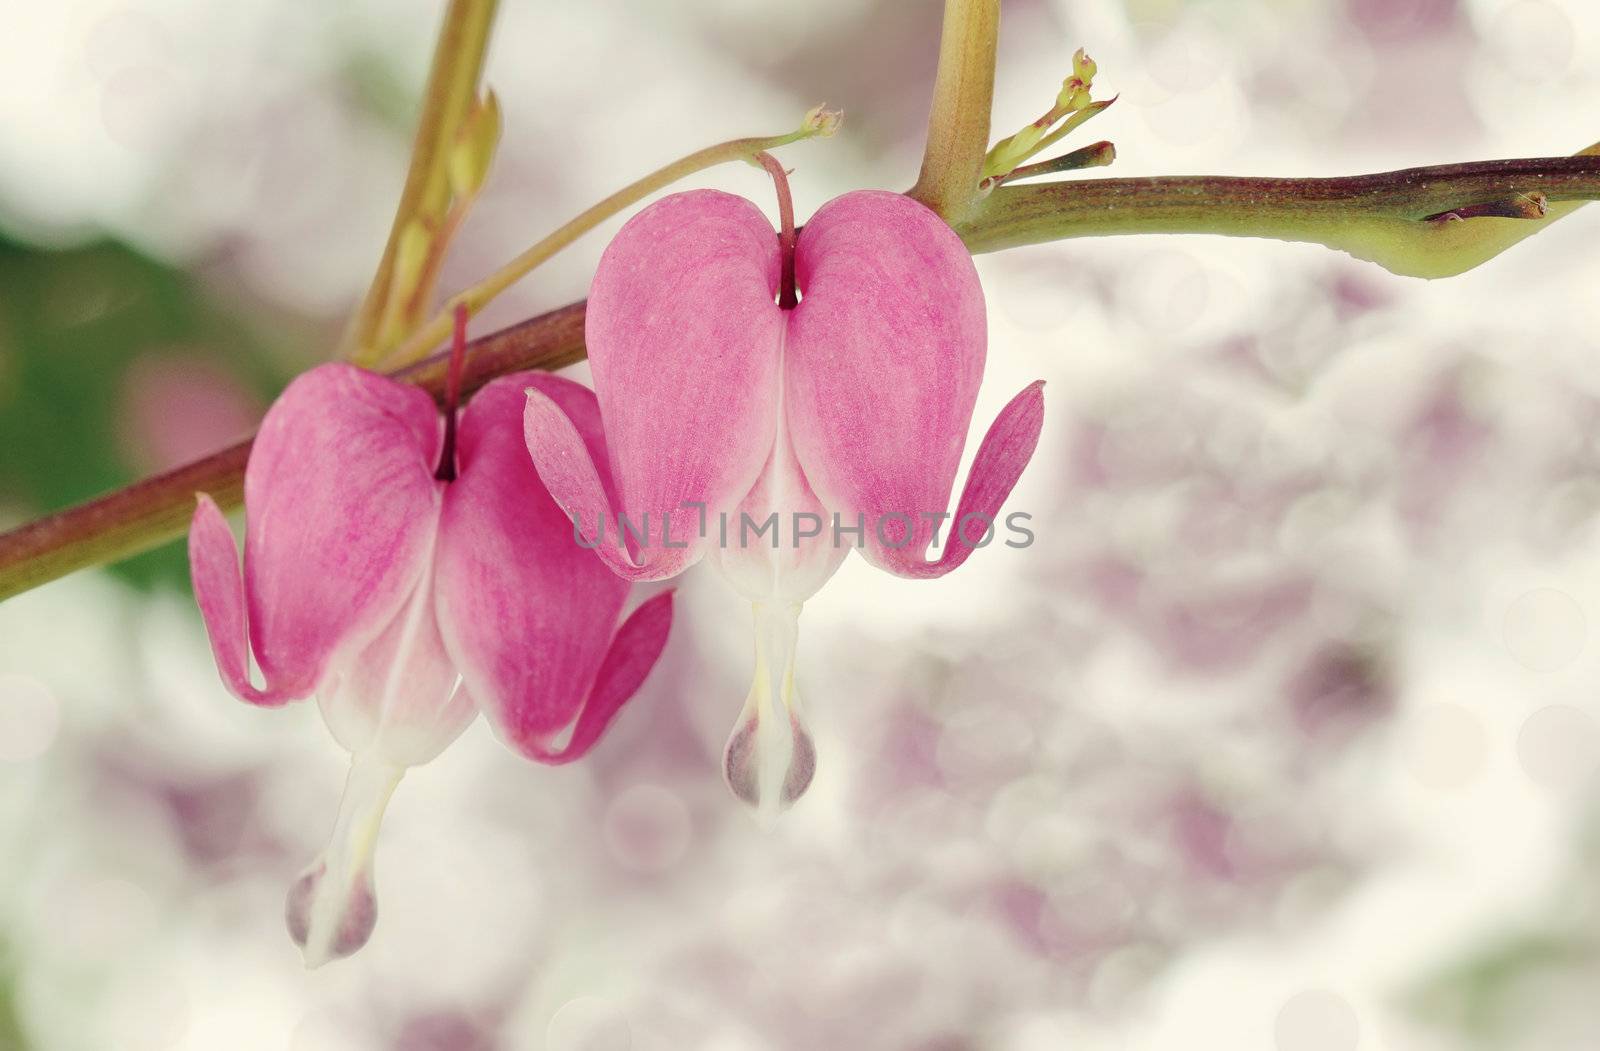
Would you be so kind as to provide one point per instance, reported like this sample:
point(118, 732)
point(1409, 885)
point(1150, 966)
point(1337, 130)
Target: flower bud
point(1074, 95)
point(1083, 67)
point(821, 121)
point(474, 148)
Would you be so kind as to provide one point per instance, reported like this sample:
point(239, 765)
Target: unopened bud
point(1074, 96)
point(821, 121)
point(474, 148)
point(1083, 67)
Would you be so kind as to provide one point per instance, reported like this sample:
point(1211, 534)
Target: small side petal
point(1005, 451)
point(572, 468)
point(633, 653)
point(219, 591)
point(684, 338)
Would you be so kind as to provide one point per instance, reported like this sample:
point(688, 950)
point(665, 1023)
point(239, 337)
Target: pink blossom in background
point(178, 409)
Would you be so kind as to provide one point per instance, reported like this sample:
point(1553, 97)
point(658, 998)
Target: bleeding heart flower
point(722, 397)
point(409, 583)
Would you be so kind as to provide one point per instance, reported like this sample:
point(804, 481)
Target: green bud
point(1074, 95)
point(1083, 67)
point(474, 148)
point(821, 121)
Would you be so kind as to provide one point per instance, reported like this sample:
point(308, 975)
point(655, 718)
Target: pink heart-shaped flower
point(845, 417)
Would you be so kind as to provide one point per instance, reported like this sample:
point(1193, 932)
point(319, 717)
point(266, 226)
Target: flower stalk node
point(1519, 206)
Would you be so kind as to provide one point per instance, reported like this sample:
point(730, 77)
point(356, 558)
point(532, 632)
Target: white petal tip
point(331, 908)
point(327, 921)
point(769, 771)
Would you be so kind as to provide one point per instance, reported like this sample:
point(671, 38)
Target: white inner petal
point(331, 908)
point(778, 545)
point(770, 758)
point(399, 696)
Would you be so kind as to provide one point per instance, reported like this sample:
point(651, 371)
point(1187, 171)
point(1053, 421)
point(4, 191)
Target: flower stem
point(818, 122)
point(450, 95)
point(452, 399)
point(142, 516)
point(1095, 155)
point(1400, 220)
point(150, 512)
point(963, 93)
point(787, 300)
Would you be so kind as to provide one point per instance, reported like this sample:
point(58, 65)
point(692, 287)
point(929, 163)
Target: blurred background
point(1282, 736)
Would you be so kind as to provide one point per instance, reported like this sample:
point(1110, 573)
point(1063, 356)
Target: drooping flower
point(727, 398)
point(409, 575)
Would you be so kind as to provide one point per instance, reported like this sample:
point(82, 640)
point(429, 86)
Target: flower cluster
point(410, 571)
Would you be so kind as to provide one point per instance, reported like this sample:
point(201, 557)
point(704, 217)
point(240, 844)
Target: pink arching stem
point(780, 180)
point(452, 397)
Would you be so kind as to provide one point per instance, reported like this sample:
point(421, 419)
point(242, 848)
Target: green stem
point(1389, 218)
point(963, 94)
point(1392, 219)
point(151, 512)
point(450, 95)
point(132, 520)
point(429, 336)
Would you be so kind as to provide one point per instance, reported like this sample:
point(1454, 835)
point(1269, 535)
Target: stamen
point(787, 300)
point(452, 397)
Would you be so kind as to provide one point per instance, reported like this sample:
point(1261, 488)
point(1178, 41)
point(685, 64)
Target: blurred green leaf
point(11, 1038)
point(1478, 996)
point(72, 322)
point(382, 88)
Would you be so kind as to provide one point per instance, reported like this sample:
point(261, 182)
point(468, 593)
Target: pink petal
point(882, 365)
point(1004, 452)
point(684, 338)
point(779, 544)
point(572, 461)
point(340, 510)
point(219, 591)
point(634, 650)
point(525, 611)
